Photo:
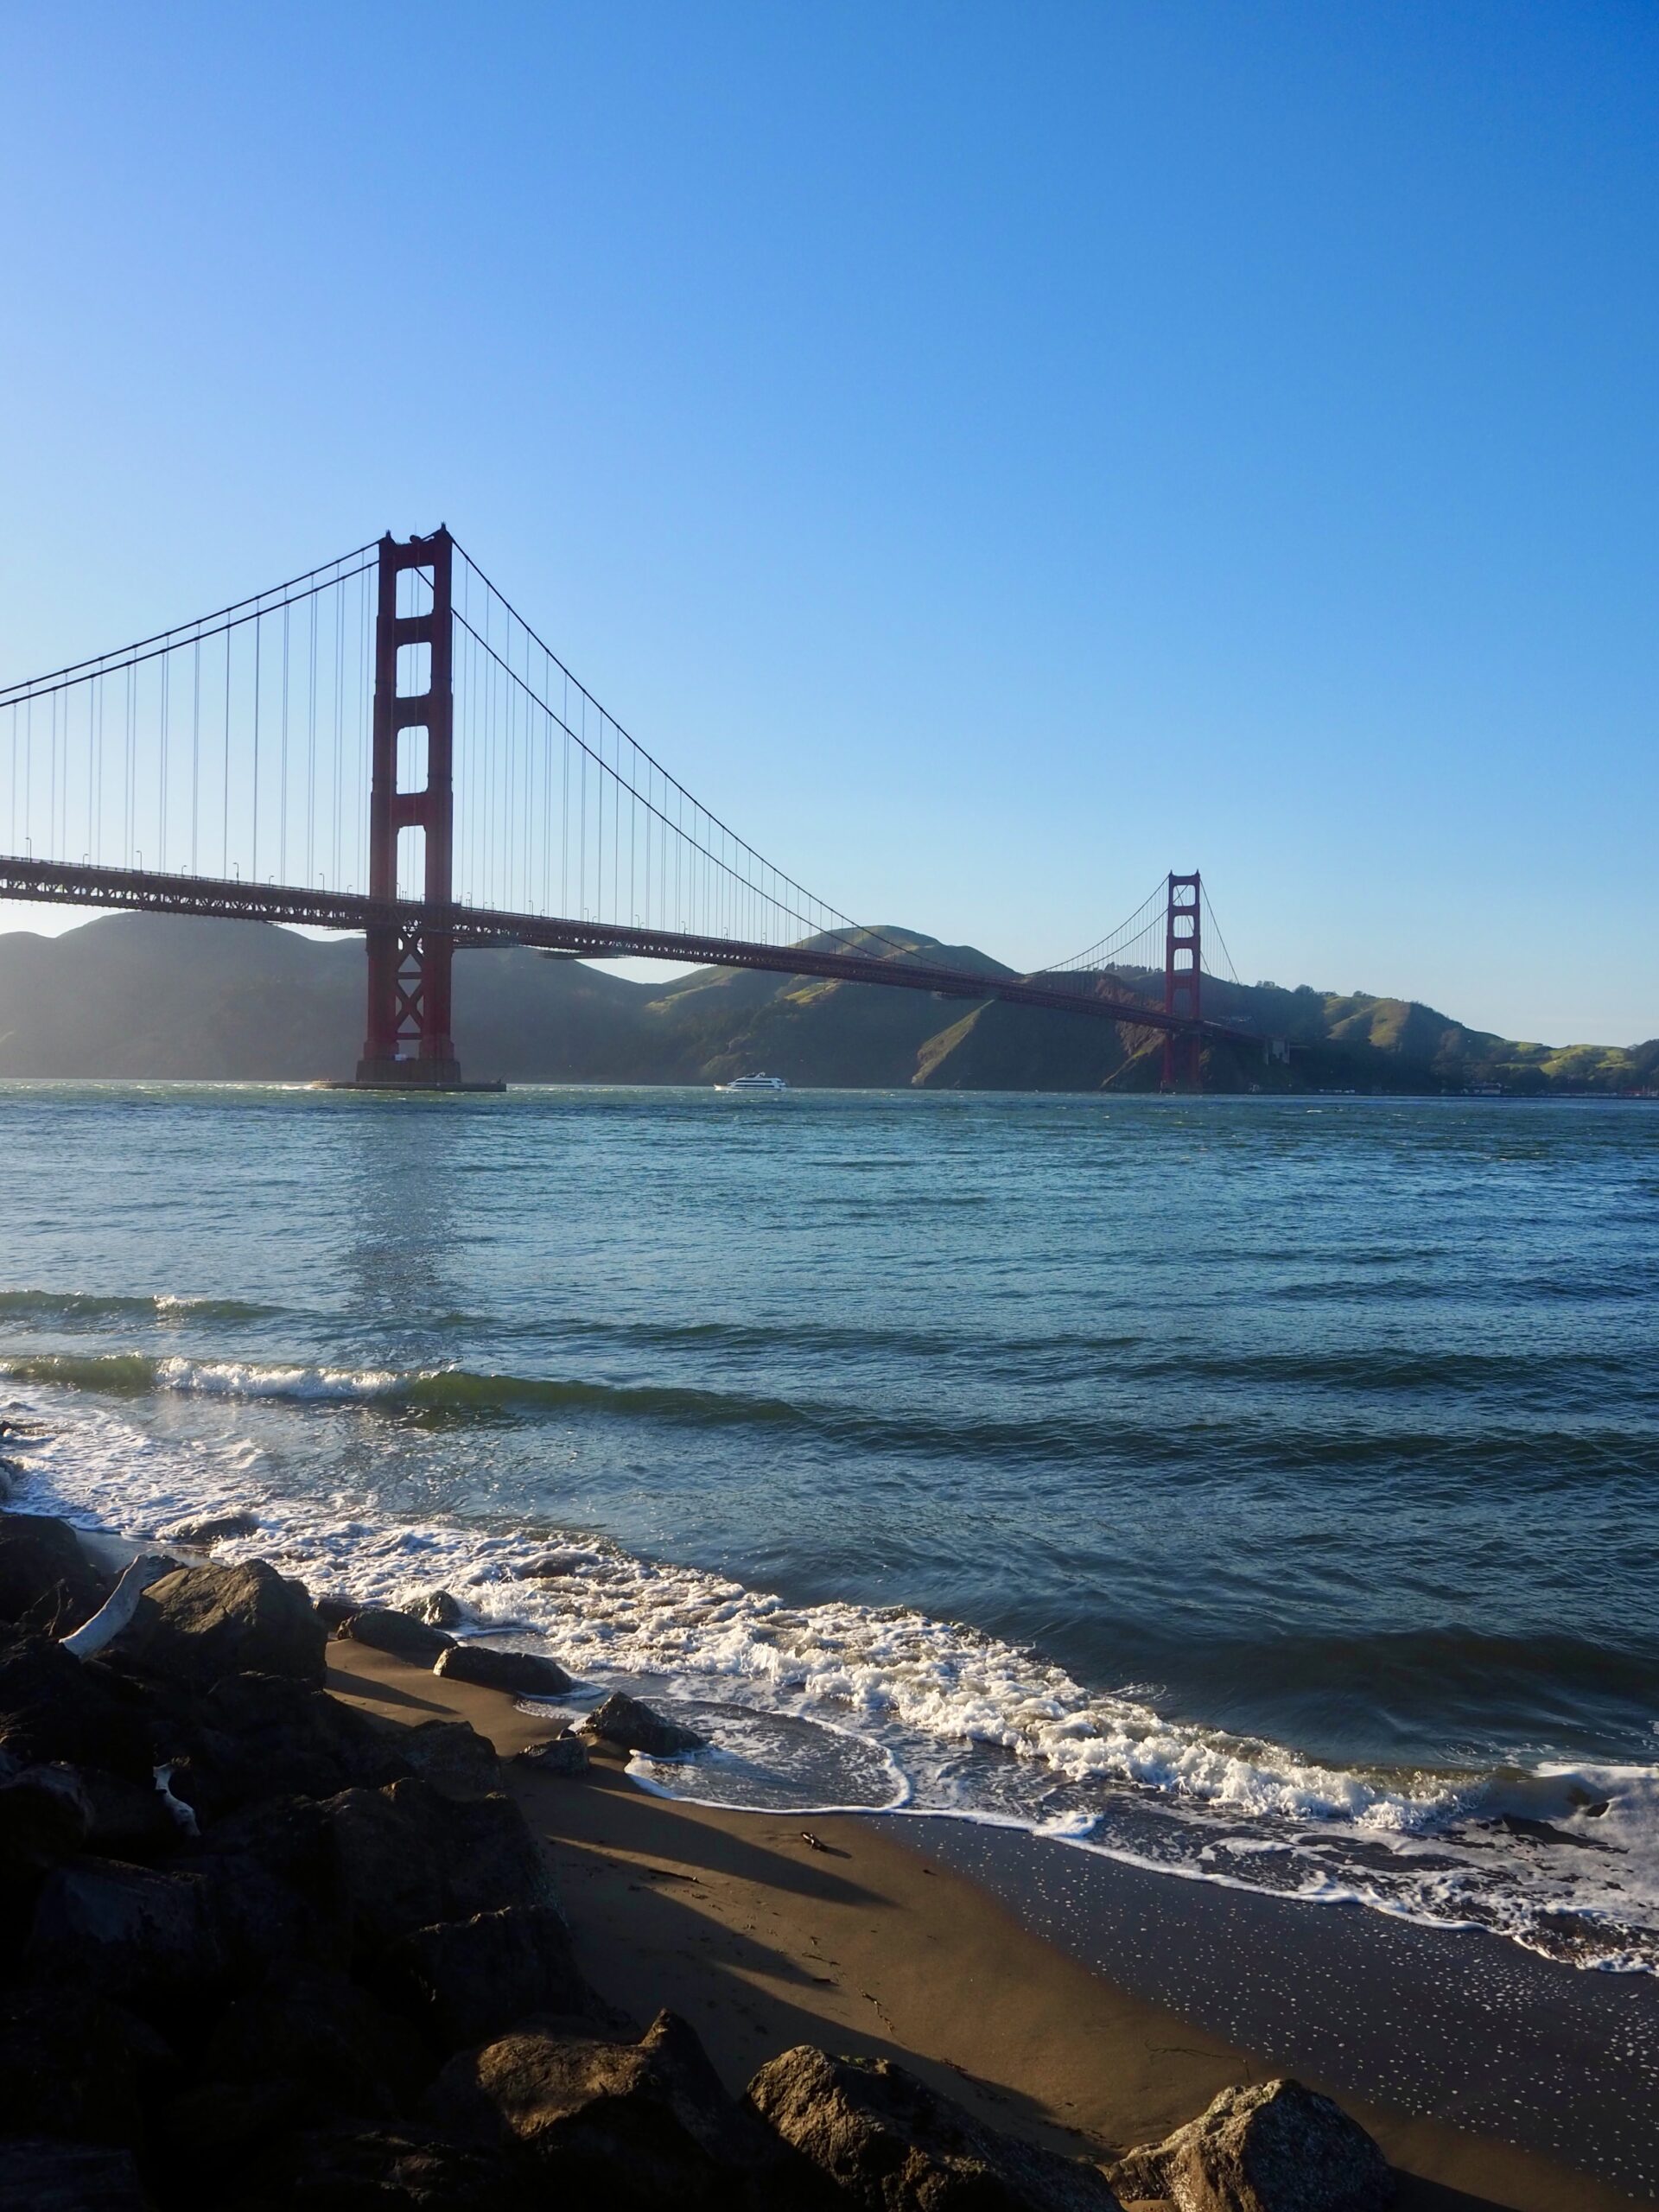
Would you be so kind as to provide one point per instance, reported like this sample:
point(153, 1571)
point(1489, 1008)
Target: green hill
point(142, 995)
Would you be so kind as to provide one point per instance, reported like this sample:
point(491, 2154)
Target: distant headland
point(155, 997)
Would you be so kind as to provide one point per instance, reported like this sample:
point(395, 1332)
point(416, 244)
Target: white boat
point(767, 1083)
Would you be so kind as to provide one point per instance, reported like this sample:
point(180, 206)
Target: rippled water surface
point(1261, 1488)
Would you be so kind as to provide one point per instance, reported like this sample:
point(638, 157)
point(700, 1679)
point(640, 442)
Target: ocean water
point(1263, 1490)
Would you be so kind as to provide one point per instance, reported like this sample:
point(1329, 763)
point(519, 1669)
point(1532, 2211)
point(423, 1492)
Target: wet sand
point(879, 1944)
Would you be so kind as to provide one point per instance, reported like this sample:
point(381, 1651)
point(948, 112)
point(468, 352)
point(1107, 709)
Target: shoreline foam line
point(976, 1727)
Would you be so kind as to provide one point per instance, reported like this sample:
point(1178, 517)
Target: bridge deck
point(61, 883)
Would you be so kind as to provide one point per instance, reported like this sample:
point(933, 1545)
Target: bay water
point(1266, 1491)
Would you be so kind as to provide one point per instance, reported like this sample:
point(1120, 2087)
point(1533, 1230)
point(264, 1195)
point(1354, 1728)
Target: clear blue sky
point(993, 453)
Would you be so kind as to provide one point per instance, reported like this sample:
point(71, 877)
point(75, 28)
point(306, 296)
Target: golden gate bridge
point(385, 745)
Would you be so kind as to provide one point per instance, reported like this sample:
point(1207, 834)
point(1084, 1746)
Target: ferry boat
point(770, 1083)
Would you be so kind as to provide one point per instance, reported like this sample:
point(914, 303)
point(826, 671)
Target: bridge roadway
point(61, 883)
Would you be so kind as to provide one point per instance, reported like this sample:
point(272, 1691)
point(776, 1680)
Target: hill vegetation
point(153, 996)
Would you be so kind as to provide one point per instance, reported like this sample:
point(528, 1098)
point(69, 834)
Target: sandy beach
point(875, 1945)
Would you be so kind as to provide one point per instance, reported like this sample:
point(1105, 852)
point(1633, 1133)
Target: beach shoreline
point(930, 1942)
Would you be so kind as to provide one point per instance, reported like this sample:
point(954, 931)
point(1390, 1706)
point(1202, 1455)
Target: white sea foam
point(942, 1719)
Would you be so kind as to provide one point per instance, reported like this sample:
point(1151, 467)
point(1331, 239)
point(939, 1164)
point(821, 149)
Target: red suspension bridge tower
point(409, 1041)
point(1184, 979)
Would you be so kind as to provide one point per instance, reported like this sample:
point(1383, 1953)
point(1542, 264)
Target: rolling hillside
point(141, 995)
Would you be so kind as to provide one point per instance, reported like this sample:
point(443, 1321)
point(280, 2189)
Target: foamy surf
point(837, 1706)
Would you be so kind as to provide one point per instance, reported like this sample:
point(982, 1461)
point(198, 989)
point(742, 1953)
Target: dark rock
point(397, 2171)
point(130, 1820)
point(891, 2144)
point(121, 1931)
point(334, 1612)
point(47, 1581)
point(266, 1735)
point(40, 2175)
point(407, 1857)
point(54, 1707)
point(467, 1981)
point(624, 1721)
point(548, 1568)
point(640, 2125)
point(259, 1919)
point(562, 1754)
point(451, 1754)
point(1275, 2147)
point(372, 1865)
point(219, 2121)
point(438, 1609)
point(46, 1816)
point(307, 2025)
point(398, 1634)
point(520, 1673)
point(75, 2066)
point(212, 1531)
point(203, 1623)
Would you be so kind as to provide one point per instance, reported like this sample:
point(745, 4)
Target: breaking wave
point(888, 1708)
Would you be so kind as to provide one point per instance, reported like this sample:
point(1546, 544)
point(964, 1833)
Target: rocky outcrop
point(1275, 2147)
point(394, 1860)
point(53, 1706)
point(400, 1635)
point(200, 1535)
point(47, 2176)
point(890, 2143)
point(47, 1581)
point(203, 1623)
point(113, 1931)
point(467, 1981)
point(520, 1673)
point(645, 2126)
point(399, 2169)
point(633, 1727)
point(562, 1754)
point(325, 1965)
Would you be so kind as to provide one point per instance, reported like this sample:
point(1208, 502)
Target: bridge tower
point(409, 1043)
point(1183, 980)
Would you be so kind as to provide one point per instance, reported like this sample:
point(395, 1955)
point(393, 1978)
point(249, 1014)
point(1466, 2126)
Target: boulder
point(307, 2026)
point(215, 2126)
point(47, 1581)
point(259, 1919)
point(520, 1673)
point(46, 1816)
point(204, 1534)
point(438, 1609)
point(400, 1635)
point(203, 1623)
point(450, 1754)
point(335, 1612)
point(646, 2126)
point(891, 2144)
point(125, 1932)
point(131, 1819)
point(1273, 2147)
point(624, 1721)
point(465, 1981)
point(407, 1857)
point(393, 2169)
point(562, 1754)
point(38, 2174)
point(54, 1707)
point(75, 2066)
point(256, 1735)
point(549, 1567)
